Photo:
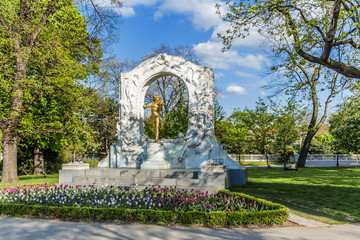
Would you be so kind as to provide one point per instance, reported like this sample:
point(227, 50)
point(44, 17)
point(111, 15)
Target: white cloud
point(263, 93)
point(243, 74)
point(128, 5)
point(133, 3)
point(219, 75)
point(236, 89)
point(254, 40)
point(261, 84)
point(212, 55)
point(202, 13)
point(127, 12)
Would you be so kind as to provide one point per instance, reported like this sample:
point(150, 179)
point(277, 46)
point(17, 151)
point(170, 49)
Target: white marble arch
point(199, 144)
point(199, 81)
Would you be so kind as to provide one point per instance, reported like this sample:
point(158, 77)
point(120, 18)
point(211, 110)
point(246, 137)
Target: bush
point(290, 151)
point(276, 213)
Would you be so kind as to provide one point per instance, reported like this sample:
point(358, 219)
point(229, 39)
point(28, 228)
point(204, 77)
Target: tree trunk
point(9, 148)
point(285, 157)
point(305, 149)
point(266, 157)
point(39, 168)
point(267, 160)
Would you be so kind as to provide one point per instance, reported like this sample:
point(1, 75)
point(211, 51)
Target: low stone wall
point(209, 178)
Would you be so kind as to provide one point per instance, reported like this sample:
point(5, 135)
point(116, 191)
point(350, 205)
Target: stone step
point(143, 181)
point(173, 173)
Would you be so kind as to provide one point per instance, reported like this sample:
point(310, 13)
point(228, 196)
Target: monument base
point(209, 179)
point(155, 157)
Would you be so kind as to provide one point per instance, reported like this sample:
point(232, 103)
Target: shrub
point(164, 205)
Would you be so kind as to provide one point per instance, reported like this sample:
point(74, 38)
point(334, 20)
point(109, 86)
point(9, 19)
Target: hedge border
point(277, 214)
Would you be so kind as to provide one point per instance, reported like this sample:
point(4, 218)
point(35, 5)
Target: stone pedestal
point(75, 166)
point(71, 170)
point(155, 157)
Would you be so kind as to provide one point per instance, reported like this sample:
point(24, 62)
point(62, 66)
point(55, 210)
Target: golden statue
point(156, 108)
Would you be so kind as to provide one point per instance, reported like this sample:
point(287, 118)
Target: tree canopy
point(45, 51)
point(321, 31)
point(345, 126)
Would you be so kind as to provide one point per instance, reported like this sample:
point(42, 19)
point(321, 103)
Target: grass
point(330, 195)
point(247, 163)
point(32, 179)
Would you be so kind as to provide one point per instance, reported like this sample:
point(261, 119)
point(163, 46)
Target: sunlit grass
point(247, 163)
point(326, 194)
point(35, 179)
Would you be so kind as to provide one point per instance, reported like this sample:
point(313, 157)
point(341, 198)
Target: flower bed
point(153, 204)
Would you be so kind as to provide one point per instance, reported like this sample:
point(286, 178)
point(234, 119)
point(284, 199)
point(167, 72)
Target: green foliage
point(103, 120)
point(287, 129)
point(91, 162)
point(53, 160)
point(79, 137)
point(175, 122)
point(345, 126)
point(289, 152)
point(260, 125)
point(322, 143)
point(232, 137)
point(277, 214)
point(42, 65)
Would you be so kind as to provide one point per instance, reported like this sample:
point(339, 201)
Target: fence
point(254, 157)
point(310, 157)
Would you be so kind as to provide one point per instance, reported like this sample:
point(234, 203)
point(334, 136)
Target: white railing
point(310, 157)
point(254, 157)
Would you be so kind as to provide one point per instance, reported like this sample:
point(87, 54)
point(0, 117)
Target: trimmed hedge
point(277, 214)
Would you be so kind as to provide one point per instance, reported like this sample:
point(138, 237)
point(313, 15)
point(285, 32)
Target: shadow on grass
point(333, 202)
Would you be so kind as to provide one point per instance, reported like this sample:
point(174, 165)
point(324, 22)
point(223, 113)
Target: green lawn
point(247, 163)
point(330, 195)
point(31, 179)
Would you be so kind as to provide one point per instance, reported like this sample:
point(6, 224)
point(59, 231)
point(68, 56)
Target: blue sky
point(149, 23)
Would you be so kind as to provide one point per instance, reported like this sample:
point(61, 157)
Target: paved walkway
point(305, 221)
point(26, 229)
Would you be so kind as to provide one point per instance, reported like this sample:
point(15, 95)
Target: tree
point(103, 20)
point(50, 111)
point(102, 115)
point(108, 80)
point(295, 76)
point(44, 48)
point(345, 126)
point(286, 128)
point(322, 32)
point(260, 124)
point(322, 143)
point(232, 136)
point(307, 81)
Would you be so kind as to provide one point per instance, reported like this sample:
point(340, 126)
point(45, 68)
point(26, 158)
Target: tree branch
point(49, 10)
